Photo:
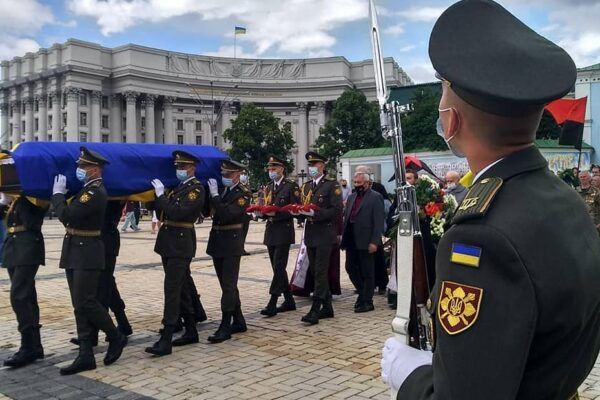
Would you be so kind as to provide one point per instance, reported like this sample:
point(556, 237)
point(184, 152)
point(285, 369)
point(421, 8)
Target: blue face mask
point(273, 175)
point(227, 182)
point(182, 174)
point(81, 174)
point(313, 171)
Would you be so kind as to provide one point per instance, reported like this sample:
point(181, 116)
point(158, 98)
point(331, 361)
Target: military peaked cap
point(313, 157)
point(91, 157)
point(182, 157)
point(232, 166)
point(276, 162)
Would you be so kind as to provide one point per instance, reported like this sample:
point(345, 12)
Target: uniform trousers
point(23, 296)
point(108, 293)
point(360, 266)
point(279, 259)
point(228, 271)
point(90, 314)
point(318, 259)
point(177, 273)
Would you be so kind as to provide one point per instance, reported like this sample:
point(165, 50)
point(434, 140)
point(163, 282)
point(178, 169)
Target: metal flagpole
point(234, 43)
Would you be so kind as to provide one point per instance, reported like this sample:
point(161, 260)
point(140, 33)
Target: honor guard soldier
point(83, 257)
point(23, 254)
point(280, 234)
point(176, 244)
point(516, 300)
point(320, 232)
point(226, 244)
point(590, 196)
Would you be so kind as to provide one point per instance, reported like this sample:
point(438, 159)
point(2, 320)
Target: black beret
point(232, 166)
point(312, 156)
point(182, 157)
point(87, 156)
point(495, 62)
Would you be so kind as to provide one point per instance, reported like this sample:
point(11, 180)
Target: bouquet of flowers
point(434, 204)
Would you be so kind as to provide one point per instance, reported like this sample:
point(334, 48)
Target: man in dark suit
point(226, 245)
point(320, 232)
point(279, 234)
point(516, 296)
point(363, 228)
point(23, 254)
point(176, 244)
point(83, 257)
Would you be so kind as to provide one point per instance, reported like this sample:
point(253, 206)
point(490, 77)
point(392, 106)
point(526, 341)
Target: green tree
point(254, 135)
point(548, 128)
point(418, 125)
point(354, 124)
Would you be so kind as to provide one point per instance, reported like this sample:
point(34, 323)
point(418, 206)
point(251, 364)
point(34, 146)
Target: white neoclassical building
point(80, 91)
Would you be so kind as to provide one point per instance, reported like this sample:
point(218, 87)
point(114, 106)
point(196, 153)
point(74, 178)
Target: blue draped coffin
point(132, 166)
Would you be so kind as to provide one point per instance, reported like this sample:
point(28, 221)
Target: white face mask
point(451, 186)
point(440, 131)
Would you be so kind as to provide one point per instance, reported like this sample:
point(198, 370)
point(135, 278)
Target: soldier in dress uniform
point(516, 297)
point(176, 243)
point(23, 254)
point(320, 232)
point(226, 244)
point(280, 234)
point(83, 257)
point(590, 196)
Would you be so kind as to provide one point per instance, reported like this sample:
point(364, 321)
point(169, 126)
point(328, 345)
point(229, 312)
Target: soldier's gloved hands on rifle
point(60, 184)
point(400, 360)
point(213, 187)
point(308, 213)
point(159, 188)
point(5, 199)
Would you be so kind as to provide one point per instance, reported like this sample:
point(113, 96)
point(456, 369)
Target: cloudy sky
point(277, 28)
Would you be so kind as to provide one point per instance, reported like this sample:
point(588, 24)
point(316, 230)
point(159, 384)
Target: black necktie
point(314, 185)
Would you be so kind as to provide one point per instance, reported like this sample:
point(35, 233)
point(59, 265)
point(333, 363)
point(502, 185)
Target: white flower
point(432, 182)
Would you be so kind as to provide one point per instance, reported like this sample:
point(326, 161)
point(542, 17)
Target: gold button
point(428, 305)
point(11, 230)
point(486, 180)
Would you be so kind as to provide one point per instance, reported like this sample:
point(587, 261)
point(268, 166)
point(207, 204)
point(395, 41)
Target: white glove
point(5, 199)
point(213, 187)
point(400, 360)
point(295, 214)
point(257, 214)
point(60, 184)
point(308, 213)
point(159, 188)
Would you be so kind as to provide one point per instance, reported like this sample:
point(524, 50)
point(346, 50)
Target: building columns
point(72, 113)
point(95, 116)
point(151, 136)
point(56, 116)
point(16, 112)
point(28, 119)
point(5, 134)
point(42, 118)
point(116, 118)
point(131, 132)
point(302, 136)
point(169, 127)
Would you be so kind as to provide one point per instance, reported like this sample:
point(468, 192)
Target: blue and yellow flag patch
point(465, 255)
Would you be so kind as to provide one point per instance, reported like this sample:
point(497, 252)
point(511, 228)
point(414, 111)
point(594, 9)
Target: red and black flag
point(412, 162)
point(570, 113)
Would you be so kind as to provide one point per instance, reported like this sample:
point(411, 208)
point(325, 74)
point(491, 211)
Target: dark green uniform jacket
point(321, 229)
point(85, 213)
point(182, 205)
point(516, 296)
point(24, 242)
point(229, 213)
point(110, 231)
point(280, 228)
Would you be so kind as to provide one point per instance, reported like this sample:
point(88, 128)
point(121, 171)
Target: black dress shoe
point(85, 360)
point(21, 358)
point(224, 332)
point(312, 317)
point(115, 349)
point(326, 310)
point(191, 333)
point(75, 341)
point(271, 309)
point(364, 308)
point(164, 346)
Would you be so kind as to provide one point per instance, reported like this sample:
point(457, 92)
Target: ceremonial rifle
point(411, 323)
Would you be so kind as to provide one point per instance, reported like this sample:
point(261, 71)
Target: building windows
point(104, 101)
point(104, 138)
point(179, 139)
point(83, 99)
point(36, 139)
point(215, 140)
point(10, 128)
point(22, 126)
point(64, 136)
point(49, 102)
point(198, 125)
point(23, 107)
point(180, 110)
point(83, 119)
point(143, 137)
point(180, 125)
point(10, 112)
point(64, 100)
point(124, 139)
point(64, 119)
point(82, 137)
point(49, 121)
point(163, 123)
point(36, 106)
point(124, 122)
point(143, 122)
point(198, 140)
point(288, 113)
point(198, 111)
point(105, 122)
point(36, 124)
point(49, 137)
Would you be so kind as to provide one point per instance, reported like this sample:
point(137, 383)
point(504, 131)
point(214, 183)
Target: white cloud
point(420, 71)
point(19, 22)
point(292, 26)
point(11, 46)
point(422, 14)
point(228, 51)
point(407, 48)
point(394, 30)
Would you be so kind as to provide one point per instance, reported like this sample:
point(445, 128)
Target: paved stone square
point(278, 358)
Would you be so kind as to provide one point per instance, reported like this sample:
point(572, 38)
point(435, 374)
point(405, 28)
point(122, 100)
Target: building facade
point(80, 91)
point(588, 84)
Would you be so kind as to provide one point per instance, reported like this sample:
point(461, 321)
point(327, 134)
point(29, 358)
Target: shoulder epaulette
point(477, 201)
point(245, 189)
point(327, 178)
point(95, 183)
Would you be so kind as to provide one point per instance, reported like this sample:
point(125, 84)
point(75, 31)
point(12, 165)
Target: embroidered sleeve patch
point(458, 307)
point(465, 255)
point(85, 198)
point(192, 196)
point(242, 201)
